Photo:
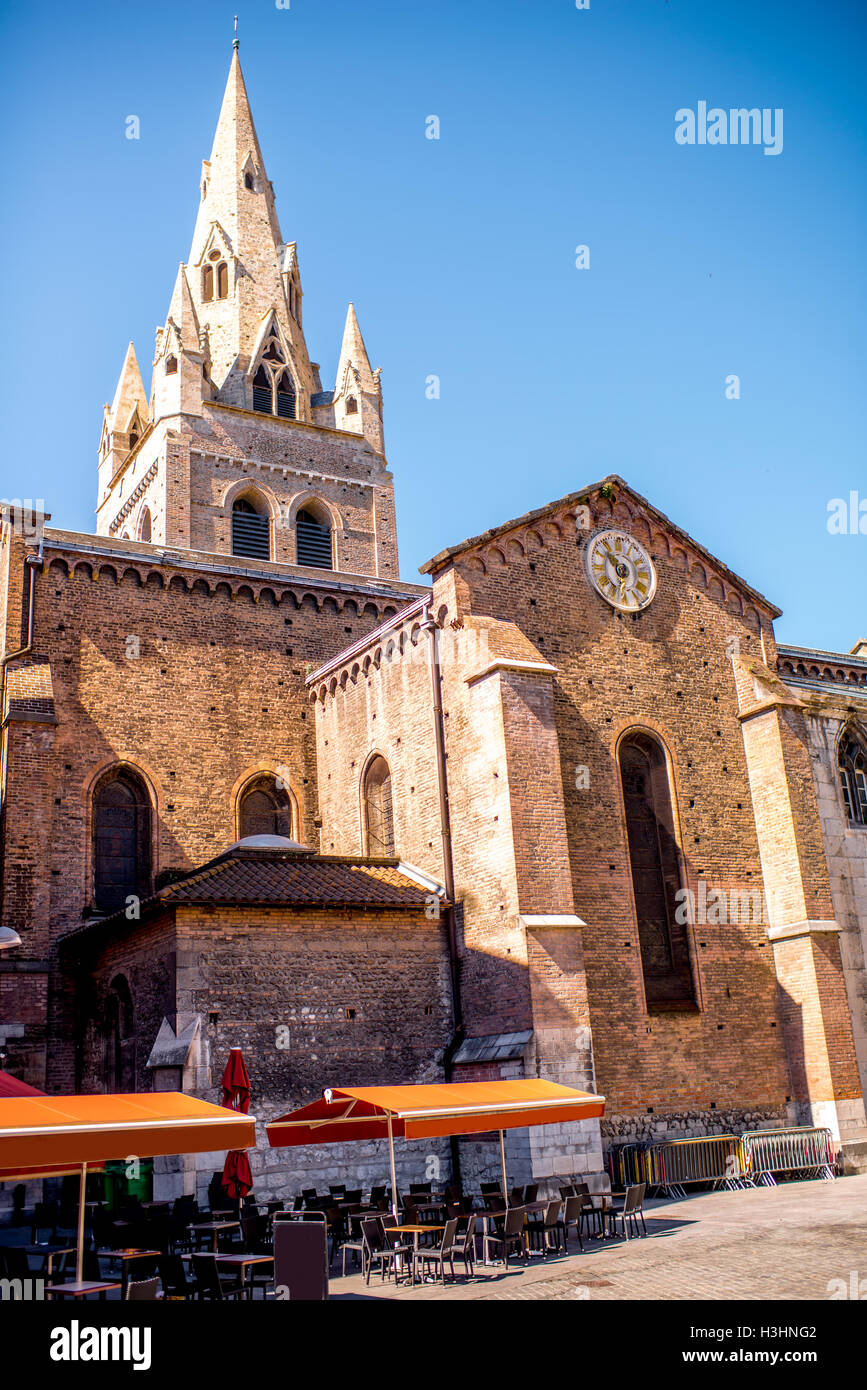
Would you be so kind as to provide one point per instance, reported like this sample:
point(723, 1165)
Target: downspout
point(430, 626)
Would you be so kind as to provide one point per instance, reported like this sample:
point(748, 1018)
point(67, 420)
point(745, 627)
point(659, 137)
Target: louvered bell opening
point(251, 535)
point(262, 400)
point(313, 542)
point(286, 397)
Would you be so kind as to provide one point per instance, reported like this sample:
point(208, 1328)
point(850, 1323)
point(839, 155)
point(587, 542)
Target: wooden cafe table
point(215, 1227)
point(242, 1262)
point(125, 1258)
point(80, 1290)
point(414, 1229)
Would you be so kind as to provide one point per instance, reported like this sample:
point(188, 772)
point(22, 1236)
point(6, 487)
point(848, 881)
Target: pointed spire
point(235, 154)
point(182, 312)
point(357, 389)
point(353, 349)
point(130, 393)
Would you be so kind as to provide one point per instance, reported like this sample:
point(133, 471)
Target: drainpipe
point(429, 626)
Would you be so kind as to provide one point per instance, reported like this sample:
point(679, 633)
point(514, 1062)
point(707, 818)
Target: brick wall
point(667, 670)
point(215, 694)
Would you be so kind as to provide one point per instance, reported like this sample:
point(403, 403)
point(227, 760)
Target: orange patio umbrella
point(423, 1112)
point(41, 1133)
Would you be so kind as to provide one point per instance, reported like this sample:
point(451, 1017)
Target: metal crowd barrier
point(670, 1167)
point(806, 1150)
point(726, 1161)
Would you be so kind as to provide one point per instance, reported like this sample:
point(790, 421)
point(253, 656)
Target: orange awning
point(423, 1112)
point(41, 1132)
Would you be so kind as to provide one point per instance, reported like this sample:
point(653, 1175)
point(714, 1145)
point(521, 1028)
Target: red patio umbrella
point(11, 1086)
point(237, 1178)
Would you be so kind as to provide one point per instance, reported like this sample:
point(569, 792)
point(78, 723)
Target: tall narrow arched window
point(251, 529)
point(378, 810)
point(655, 863)
point(313, 541)
point(144, 524)
point(286, 397)
point(222, 280)
point(171, 366)
point(121, 840)
point(208, 283)
point(852, 766)
point(265, 809)
point(263, 401)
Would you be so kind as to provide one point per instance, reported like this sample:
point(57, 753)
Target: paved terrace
point(787, 1242)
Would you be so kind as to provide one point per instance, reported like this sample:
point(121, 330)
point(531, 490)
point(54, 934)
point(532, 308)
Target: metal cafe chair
point(571, 1217)
point(439, 1254)
point(545, 1235)
point(383, 1249)
point(510, 1237)
point(208, 1282)
point(630, 1213)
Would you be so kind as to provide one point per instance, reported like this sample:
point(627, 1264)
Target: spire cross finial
point(235, 42)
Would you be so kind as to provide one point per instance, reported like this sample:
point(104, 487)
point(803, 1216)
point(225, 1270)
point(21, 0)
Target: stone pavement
point(787, 1242)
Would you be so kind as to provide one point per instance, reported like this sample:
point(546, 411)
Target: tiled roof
point(255, 877)
point(296, 878)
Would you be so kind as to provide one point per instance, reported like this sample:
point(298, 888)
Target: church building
point(564, 809)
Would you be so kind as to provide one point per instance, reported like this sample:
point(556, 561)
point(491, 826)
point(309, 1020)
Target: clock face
point(620, 570)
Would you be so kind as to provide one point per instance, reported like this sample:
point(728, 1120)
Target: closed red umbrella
point(237, 1178)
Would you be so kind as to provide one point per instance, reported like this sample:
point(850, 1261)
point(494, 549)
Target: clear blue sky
point(557, 129)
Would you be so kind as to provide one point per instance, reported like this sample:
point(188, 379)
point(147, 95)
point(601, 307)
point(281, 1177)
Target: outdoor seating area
point(180, 1251)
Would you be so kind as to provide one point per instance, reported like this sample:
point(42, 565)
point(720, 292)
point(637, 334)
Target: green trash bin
point(119, 1187)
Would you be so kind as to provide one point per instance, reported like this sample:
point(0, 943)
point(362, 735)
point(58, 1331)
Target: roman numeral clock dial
point(620, 570)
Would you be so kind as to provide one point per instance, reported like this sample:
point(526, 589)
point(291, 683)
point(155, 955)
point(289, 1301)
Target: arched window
point(171, 366)
point(273, 388)
point(313, 541)
point(251, 530)
point(378, 810)
point(656, 874)
point(121, 840)
point(265, 809)
point(208, 283)
point(248, 180)
point(263, 401)
point(222, 280)
point(144, 524)
point(133, 438)
point(852, 765)
point(351, 405)
point(286, 397)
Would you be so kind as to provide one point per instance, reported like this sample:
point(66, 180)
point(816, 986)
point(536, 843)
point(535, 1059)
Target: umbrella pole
point(503, 1167)
point(394, 1211)
point(79, 1248)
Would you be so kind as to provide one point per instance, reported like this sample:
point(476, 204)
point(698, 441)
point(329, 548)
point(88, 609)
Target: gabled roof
point(250, 876)
point(443, 558)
